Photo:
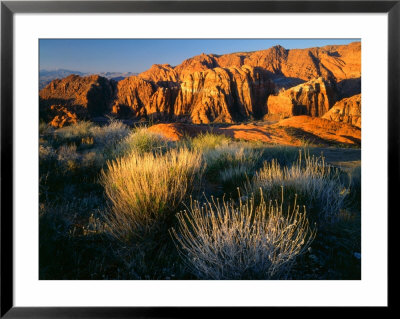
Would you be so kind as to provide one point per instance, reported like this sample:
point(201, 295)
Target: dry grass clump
point(141, 140)
point(354, 176)
point(73, 133)
point(143, 189)
point(285, 155)
point(86, 134)
point(109, 135)
point(222, 240)
point(231, 164)
point(45, 128)
point(317, 184)
point(208, 141)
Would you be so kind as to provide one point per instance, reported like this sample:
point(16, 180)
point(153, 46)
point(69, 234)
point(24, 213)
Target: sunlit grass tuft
point(317, 184)
point(144, 189)
point(141, 140)
point(209, 141)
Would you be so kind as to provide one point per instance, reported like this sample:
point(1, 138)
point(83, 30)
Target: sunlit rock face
point(347, 110)
point(215, 88)
point(74, 97)
point(223, 95)
point(313, 98)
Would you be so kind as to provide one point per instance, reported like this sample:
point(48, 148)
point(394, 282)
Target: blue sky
point(137, 55)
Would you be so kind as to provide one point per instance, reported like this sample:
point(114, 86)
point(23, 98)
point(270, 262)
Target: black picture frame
point(9, 8)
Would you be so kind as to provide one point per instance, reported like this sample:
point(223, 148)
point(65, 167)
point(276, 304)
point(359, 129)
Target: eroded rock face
point(76, 97)
point(138, 97)
point(335, 62)
point(214, 88)
point(224, 95)
point(347, 110)
point(161, 74)
point(313, 98)
point(213, 95)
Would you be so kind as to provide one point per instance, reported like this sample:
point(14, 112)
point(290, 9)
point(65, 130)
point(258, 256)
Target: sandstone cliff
point(312, 98)
point(347, 110)
point(337, 62)
point(76, 97)
point(214, 88)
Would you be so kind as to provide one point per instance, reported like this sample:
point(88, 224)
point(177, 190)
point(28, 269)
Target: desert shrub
point(71, 243)
point(231, 164)
point(224, 240)
point(108, 135)
point(208, 141)
point(284, 155)
point(143, 189)
point(92, 160)
point(68, 157)
point(46, 152)
point(72, 134)
point(45, 128)
point(141, 140)
point(316, 183)
point(354, 176)
point(235, 175)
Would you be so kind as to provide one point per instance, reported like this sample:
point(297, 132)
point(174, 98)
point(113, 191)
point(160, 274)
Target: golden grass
point(208, 140)
point(144, 189)
point(141, 140)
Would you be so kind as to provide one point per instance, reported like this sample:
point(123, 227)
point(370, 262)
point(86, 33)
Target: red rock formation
point(347, 110)
point(62, 116)
point(77, 97)
point(143, 98)
point(337, 62)
point(215, 88)
point(312, 98)
point(160, 74)
point(281, 104)
point(223, 95)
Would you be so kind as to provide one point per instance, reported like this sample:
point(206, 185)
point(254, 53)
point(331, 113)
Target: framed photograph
point(162, 156)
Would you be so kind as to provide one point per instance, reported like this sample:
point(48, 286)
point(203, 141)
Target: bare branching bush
point(317, 184)
point(144, 189)
point(224, 240)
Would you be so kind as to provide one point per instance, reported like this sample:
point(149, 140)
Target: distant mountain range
point(46, 76)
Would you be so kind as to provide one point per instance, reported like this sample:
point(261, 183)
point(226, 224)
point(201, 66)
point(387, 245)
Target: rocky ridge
point(212, 88)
